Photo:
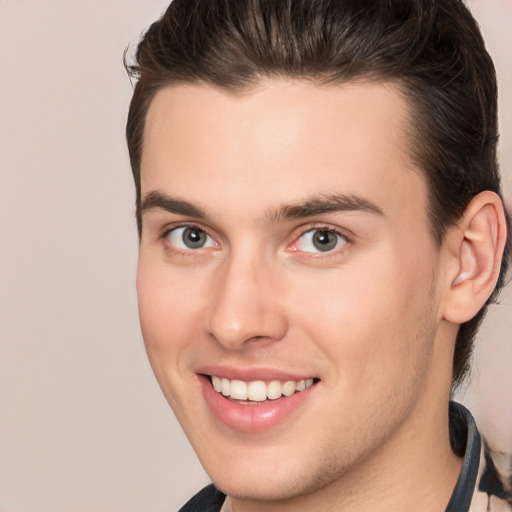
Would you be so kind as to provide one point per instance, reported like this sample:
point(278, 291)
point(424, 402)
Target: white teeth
point(217, 384)
point(226, 387)
point(301, 385)
point(289, 388)
point(238, 390)
point(274, 390)
point(258, 391)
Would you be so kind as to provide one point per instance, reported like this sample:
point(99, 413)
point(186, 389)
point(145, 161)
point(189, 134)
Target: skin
point(367, 319)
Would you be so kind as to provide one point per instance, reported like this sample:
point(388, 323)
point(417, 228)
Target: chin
point(264, 489)
point(275, 479)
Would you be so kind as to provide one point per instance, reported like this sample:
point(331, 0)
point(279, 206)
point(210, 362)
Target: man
point(321, 229)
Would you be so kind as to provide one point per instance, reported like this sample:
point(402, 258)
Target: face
point(287, 281)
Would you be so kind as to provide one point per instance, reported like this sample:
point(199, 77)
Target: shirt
point(481, 486)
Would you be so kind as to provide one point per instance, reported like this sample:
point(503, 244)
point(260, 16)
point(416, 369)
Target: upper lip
point(250, 374)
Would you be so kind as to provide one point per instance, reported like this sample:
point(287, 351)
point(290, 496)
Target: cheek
point(168, 311)
point(170, 318)
point(375, 320)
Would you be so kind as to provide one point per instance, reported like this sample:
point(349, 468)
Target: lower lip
point(248, 417)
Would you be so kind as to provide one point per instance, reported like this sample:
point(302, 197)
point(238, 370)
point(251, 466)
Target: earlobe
point(478, 244)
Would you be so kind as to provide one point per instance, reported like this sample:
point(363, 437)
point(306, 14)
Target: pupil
point(324, 240)
point(194, 238)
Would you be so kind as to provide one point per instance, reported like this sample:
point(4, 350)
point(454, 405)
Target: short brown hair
point(432, 49)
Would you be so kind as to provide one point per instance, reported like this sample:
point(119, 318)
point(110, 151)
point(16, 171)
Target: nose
point(245, 307)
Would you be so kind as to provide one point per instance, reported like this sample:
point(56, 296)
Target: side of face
point(285, 239)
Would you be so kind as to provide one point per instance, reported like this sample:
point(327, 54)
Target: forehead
point(279, 142)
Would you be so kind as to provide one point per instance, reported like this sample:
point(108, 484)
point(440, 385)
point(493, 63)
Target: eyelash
point(301, 232)
point(184, 252)
point(322, 227)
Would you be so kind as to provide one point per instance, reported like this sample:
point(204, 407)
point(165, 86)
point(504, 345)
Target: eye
point(320, 240)
point(190, 238)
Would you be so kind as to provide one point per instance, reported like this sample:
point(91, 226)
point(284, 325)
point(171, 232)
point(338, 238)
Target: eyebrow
point(316, 205)
point(319, 205)
point(158, 201)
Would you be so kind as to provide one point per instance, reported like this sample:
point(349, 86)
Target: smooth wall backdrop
point(83, 425)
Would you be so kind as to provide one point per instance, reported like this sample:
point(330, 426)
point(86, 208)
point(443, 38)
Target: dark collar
point(208, 499)
point(466, 443)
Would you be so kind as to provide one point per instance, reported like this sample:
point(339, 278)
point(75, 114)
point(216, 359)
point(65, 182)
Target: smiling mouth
point(258, 391)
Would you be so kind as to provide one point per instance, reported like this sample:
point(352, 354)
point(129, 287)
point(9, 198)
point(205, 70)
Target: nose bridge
point(244, 308)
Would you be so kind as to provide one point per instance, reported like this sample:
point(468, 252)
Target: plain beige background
point(83, 426)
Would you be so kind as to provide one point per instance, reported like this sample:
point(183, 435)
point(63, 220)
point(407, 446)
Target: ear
point(475, 250)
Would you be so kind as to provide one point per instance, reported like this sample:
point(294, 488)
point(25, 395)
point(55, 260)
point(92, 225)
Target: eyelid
point(324, 226)
point(169, 228)
point(165, 230)
point(319, 226)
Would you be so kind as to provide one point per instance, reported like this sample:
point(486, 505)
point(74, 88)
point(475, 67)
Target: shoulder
point(208, 499)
